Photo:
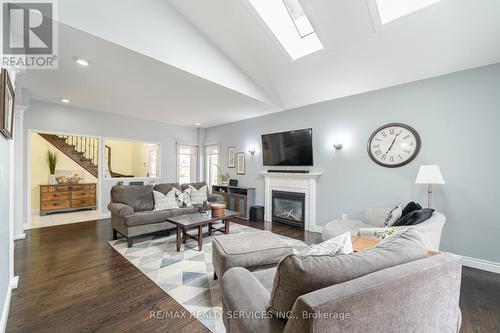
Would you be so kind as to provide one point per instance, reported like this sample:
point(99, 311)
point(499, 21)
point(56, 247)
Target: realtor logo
point(29, 35)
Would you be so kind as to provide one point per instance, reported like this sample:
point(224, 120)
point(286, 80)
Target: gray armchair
point(375, 217)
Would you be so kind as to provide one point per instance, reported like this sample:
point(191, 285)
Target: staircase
point(82, 150)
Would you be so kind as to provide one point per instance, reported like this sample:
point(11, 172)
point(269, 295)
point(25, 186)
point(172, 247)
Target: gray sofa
point(132, 213)
point(395, 287)
point(374, 217)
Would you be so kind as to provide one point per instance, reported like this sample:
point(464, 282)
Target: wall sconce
point(338, 145)
point(252, 151)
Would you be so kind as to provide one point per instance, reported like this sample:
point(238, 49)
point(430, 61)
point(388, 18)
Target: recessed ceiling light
point(65, 100)
point(197, 124)
point(81, 61)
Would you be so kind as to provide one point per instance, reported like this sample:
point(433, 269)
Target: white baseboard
point(316, 228)
point(14, 282)
point(484, 265)
point(21, 236)
point(105, 215)
point(5, 312)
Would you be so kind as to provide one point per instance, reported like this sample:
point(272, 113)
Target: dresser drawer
point(82, 203)
point(82, 195)
point(54, 196)
point(89, 187)
point(57, 204)
point(45, 189)
point(69, 188)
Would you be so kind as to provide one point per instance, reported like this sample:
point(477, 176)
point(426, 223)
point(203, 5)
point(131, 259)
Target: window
point(186, 163)
point(290, 25)
point(390, 10)
point(211, 163)
point(131, 159)
point(299, 18)
point(152, 163)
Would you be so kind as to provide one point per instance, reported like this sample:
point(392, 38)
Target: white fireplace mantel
point(293, 182)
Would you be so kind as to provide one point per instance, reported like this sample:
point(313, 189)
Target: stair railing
point(89, 147)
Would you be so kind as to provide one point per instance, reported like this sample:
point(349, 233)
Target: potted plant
point(222, 178)
point(52, 162)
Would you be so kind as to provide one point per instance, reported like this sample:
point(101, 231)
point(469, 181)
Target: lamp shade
point(429, 174)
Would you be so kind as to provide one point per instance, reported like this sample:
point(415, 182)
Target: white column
point(19, 221)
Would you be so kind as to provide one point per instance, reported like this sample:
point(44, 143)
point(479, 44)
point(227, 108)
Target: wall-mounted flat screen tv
point(293, 148)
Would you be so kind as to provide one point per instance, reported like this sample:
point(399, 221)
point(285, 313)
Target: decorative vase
point(218, 209)
point(52, 179)
point(224, 182)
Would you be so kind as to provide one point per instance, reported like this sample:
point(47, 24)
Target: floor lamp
point(429, 175)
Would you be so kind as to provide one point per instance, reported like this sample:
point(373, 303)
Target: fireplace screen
point(288, 207)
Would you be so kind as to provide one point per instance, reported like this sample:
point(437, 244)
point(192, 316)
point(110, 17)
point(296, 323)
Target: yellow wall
point(128, 157)
point(40, 170)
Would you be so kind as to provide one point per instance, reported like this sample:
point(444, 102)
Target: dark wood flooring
point(71, 280)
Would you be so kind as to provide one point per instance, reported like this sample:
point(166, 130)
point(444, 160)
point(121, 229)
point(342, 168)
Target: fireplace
point(288, 208)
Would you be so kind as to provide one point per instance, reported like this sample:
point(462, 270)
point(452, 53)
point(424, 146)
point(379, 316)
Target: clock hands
point(392, 144)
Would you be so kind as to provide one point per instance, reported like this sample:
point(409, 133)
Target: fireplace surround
point(304, 183)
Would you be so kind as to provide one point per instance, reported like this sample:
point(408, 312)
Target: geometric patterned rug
point(187, 276)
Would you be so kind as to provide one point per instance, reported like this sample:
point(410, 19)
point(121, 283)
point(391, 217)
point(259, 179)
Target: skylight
point(390, 10)
point(290, 25)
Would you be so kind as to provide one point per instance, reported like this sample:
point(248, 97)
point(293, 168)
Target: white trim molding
point(5, 312)
point(293, 182)
point(484, 265)
point(14, 282)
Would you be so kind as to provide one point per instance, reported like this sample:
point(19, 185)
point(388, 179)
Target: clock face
point(394, 145)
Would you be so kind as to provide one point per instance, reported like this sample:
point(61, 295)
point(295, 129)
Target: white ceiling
point(244, 73)
point(121, 81)
point(451, 36)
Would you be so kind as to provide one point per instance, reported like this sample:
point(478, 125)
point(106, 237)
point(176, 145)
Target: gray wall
point(458, 118)
point(4, 221)
point(65, 119)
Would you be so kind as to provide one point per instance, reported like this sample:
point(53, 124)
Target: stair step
point(70, 151)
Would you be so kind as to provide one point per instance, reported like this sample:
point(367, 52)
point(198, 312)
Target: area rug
point(187, 276)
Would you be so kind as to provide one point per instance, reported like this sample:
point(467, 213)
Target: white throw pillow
point(339, 245)
point(166, 201)
point(184, 198)
point(199, 196)
point(393, 216)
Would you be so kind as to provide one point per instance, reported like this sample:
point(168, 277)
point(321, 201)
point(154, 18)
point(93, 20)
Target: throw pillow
point(415, 217)
point(393, 216)
point(339, 245)
point(184, 198)
point(299, 275)
point(166, 201)
point(198, 196)
point(410, 207)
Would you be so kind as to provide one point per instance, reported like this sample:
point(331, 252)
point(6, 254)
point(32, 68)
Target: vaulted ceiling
point(214, 61)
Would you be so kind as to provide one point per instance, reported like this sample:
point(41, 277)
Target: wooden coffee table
point(199, 220)
point(362, 243)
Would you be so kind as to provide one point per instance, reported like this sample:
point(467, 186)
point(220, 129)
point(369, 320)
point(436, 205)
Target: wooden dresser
point(67, 197)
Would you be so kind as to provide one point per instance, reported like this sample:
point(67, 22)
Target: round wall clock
point(394, 145)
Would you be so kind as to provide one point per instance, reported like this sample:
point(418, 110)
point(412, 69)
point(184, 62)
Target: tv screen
point(292, 148)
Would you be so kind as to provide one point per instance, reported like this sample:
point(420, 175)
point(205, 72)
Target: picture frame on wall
point(240, 160)
point(7, 97)
point(230, 156)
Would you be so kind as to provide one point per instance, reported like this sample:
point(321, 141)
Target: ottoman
point(254, 250)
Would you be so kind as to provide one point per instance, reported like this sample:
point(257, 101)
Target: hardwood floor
point(71, 280)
